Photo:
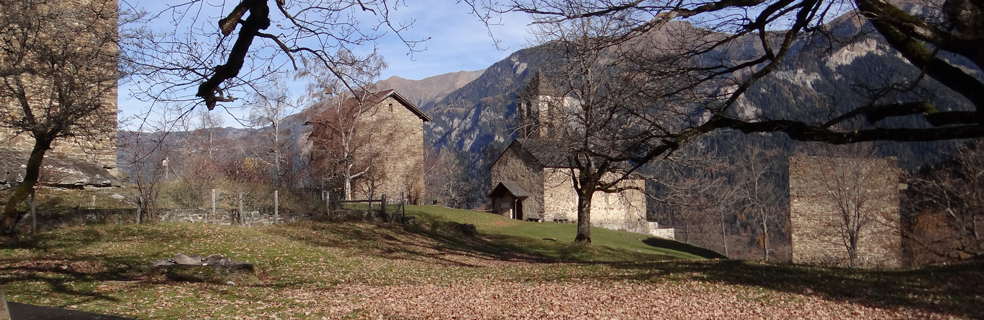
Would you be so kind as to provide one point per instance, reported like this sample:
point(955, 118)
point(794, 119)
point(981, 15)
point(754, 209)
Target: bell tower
point(538, 109)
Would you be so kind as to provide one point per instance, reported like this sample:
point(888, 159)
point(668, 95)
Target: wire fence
point(247, 206)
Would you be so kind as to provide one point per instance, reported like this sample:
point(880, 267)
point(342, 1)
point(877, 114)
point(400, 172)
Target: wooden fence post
point(239, 215)
point(276, 207)
point(213, 206)
point(369, 212)
point(382, 208)
point(4, 310)
point(34, 212)
point(327, 196)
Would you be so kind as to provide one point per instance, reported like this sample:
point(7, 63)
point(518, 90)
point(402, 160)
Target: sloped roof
point(378, 97)
point(552, 154)
point(382, 95)
point(549, 153)
point(511, 187)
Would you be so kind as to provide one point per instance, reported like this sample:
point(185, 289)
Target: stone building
point(88, 157)
point(532, 180)
point(833, 200)
point(390, 132)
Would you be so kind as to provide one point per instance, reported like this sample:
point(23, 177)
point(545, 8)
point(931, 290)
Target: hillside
point(427, 92)
point(478, 120)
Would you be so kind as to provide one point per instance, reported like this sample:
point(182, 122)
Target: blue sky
point(457, 41)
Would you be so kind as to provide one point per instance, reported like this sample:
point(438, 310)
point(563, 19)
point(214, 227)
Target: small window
point(391, 107)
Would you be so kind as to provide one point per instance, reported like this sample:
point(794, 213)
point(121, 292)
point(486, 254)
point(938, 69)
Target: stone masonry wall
point(398, 134)
point(98, 149)
point(521, 168)
point(822, 189)
point(616, 211)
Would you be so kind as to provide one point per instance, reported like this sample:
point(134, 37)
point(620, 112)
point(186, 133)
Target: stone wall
point(94, 144)
point(625, 210)
point(520, 167)
point(822, 190)
point(398, 136)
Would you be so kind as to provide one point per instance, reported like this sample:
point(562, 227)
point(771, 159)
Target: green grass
point(104, 268)
point(554, 240)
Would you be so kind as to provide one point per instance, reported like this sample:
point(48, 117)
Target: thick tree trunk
point(584, 217)
point(852, 250)
point(9, 217)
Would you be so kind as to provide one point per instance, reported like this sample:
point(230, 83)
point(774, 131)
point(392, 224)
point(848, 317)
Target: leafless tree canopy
point(697, 54)
point(344, 140)
point(58, 75)
point(256, 38)
point(945, 209)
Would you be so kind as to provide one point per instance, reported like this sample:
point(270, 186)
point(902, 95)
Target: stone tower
point(539, 109)
point(88, 157)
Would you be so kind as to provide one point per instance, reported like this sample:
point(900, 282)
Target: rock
point(186, 260)
point(213, 259)
point(214, 268)
point(962, 255)
point(196, 274)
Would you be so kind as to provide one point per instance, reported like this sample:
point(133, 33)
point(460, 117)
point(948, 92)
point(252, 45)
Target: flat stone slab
point(21, 311)
point(215, 268)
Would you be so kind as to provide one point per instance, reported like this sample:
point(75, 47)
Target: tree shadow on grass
point(77, 277)
point(952, 289)
point(392, 241)
point(684, 247)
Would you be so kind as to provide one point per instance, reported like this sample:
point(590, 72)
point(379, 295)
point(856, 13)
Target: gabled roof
point(376, 98)
point(547, 153)
point(382, 95)
point(551, 154)
point(510, 187)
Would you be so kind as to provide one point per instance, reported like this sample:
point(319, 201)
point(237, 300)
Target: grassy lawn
point(315, 269)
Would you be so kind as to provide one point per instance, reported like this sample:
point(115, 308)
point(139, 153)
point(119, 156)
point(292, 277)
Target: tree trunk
point(9, 217)
point(348, 188)
point(584, 217)
point(765, 237)
point(852, 250)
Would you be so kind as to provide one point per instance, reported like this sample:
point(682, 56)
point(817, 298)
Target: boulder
point(215, 268)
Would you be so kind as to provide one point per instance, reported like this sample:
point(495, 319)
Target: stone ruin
point(817, 229)
point(215, 268)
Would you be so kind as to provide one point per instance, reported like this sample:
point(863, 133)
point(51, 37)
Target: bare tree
point(858, 190)
point(58, 78)
point(270, 109)
point(954, 192)
point(255, 40)
point(197, 163)
point(697, 53)
point(697, 191)
point(341, 133)
point(586, 123)
point(763, 194)
point(146, 154)
point(689, 82)
point(445, 177)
